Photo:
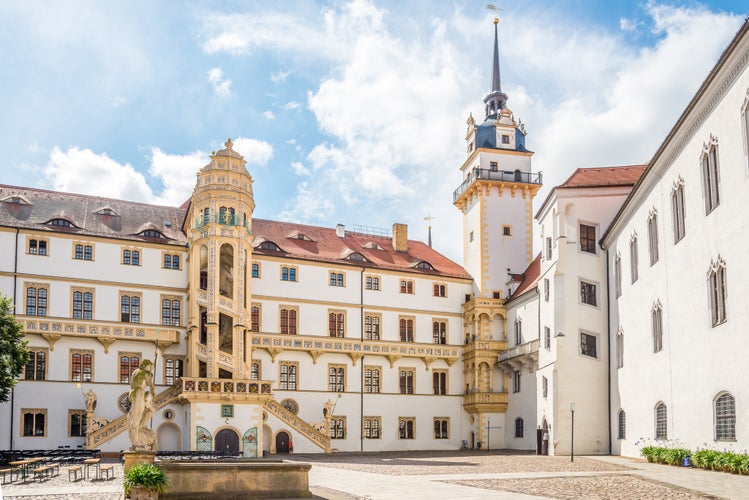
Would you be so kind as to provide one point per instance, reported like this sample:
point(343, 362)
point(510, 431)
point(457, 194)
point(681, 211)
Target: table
point(92, 462)
point(21, 466)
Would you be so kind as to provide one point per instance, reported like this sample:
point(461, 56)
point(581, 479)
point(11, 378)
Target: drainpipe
point(15, 282)
point(608, 344)
point(361, 361)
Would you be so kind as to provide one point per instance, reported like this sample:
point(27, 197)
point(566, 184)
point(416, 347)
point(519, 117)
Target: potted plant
point(144, 482)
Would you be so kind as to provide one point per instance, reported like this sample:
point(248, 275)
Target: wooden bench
point(107, 470)
point(41, 472)
point(54, 468)
point(7, 472)
point(73, 473)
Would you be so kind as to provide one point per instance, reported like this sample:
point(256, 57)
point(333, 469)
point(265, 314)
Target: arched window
point(725, 418)
point(518, 427)
point(269, 245)
point(622, 419)
point(661, 421)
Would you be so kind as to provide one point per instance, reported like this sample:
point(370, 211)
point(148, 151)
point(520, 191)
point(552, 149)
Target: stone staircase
point(318, 438)
point(105, 433)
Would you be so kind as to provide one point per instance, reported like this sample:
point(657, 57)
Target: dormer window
point(424, 265)
point(356, 256)
point(270, 246)
point(373, 246)
point(60, 223)
point(106, 211)
point(300, 236)
point(505, 139)
point(17, 200)
point(151, 233)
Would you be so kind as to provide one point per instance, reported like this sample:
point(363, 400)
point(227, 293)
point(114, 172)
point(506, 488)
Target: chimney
point(340, 230)
point(400, 237)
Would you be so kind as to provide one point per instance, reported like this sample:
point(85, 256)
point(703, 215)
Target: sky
point(347, 112)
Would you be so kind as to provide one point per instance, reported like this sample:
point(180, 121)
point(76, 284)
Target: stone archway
point(227, 441)
point(282, 442)
point(267, 434)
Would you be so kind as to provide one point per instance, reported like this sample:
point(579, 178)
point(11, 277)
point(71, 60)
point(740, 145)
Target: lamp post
point(572, 439)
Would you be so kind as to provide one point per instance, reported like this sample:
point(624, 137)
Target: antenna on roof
point(429, 220)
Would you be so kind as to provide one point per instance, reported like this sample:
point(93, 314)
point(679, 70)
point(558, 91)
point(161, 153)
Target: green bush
point(148, 476)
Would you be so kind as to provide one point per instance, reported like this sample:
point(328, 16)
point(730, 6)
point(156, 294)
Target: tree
point(13, 353)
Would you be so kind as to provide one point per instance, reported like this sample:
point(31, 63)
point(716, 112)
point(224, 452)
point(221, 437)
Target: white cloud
point(299, 168)
point(627, 24)
point(221, 85)
point(307, 206)
point(255, 152)
point(268, 115)
point(177, 173)
point(292, 105)
point(279, 76)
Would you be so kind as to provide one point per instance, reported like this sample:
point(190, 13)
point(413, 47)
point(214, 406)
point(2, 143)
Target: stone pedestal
point(138, 457)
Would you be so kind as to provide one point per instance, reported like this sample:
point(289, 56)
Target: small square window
point(588, 345)
point(505, 139)
point(506, 231)
point(227, 411)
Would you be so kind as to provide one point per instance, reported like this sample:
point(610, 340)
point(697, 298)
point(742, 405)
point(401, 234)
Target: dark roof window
point(16, 200)
point(269, 245)
point(426, 266)
point(60, 223)
point(356, 256)
point(152, 233)
point(106, 211)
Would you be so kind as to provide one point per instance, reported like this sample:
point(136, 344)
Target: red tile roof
point(529, 277)
point(604, 176)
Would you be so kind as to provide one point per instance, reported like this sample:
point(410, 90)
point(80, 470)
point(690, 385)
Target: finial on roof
point(228, 143)
point(496, 21)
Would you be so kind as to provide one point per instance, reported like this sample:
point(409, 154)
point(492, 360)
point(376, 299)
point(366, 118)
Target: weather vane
point(495, 9)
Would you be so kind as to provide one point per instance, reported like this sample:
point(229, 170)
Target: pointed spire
point(495, 100)
point(496, 83)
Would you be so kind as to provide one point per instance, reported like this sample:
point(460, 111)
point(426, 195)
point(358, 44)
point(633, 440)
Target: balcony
point(221, 389)
point(485, 174)
point(520, 356)
point(485, 402)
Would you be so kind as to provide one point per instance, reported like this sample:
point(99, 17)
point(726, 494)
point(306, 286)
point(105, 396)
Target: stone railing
point(485, 398)
point(53, 329)
point(355, 348)
point(318, 438)
point(105, 433)
point(226, 389)
point(519, 350)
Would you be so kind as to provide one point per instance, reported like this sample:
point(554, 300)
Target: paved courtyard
point(460, 474)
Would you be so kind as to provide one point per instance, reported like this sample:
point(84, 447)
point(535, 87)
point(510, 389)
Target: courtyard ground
point(459, 474)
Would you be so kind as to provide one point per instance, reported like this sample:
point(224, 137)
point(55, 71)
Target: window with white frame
point(372, 326)
point(548, 248)
point(287, 380)
point(716, 278)
point(337, 427)
point(547, 338)
point(661, 422)
point(633, 258)
point(406, 427)
point(621, 418)
point(547, 289)
point(588, 293)
point(653, 237)
point(336, 378)
point(677, 210)
point(618, 275)
point(710, 178)
point(516, 381)
point(588, 345)
point(372, 427)
point(518, 331)
point(441, 428)
point(372, 376)
point(725, 418)
point(544, 386)
point(657, 326)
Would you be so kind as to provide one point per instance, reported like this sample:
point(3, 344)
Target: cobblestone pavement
point(601, 487)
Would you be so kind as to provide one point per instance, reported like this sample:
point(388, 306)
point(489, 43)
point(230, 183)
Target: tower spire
point(496, 100)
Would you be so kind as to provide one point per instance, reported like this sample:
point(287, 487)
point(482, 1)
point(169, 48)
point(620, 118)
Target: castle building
point(270, 335)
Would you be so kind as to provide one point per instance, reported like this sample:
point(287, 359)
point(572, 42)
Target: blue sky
point(348, 112)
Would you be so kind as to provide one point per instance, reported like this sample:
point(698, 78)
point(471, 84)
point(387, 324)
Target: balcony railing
point(519, 350)
point(483, 398)
point(226, 220)
point(221, 388)
point(497, 175)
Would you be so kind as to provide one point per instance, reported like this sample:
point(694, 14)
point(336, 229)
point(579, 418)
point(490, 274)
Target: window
point(406, 376)
point(288, 376)
point(129, 362)
point(406, 427)
point(269, 245)
point(255, 317)
point(587, 238)
point(406, 328)
point(717, 289)
point(76, 423)
point(547, 289)
point(372, 283)
point(36, 299)
point(407, 286)
point(493, 166)
point(336, 279)
point(372, 326)
point(441, 428)
point(357, 257)
point(226, 216)
point(548, 248)
point(516, 381)
point(653, 237)
point(288, 320)
point(255, 370)
point(622, 425)
point(544, 386)
point(618, 275)
point(227, 411)
point(588, 345)
point(36, 368)
point(372, 426)
point(170, 311)
point(337, 324)
point(81, 366)
point(83, 251)
point(336, 378)
point(440, 290)
point(725, 418)
point(131, 257)
point(710, 176)
point(518, 331)
point(151, 233)
point(620, 349)
point(506, 230)
point(129, 308)
point(173, 369)
point(83, 303)
point(588, 293)
point(34, 422)
point(505, 139)
point(372, 376)
point(171, 261)
point(439, 332)
point(547, 338)
point(37, 246)
point(288, 273)
point(255, 270)
point(677, 209)
point(439, 382)
point(661, 421)
point(633, 257)
point(657, 326)
point(518, 427)
point(337, 427)
point(470, 236)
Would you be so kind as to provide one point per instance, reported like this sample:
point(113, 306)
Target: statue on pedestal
point(142, 392)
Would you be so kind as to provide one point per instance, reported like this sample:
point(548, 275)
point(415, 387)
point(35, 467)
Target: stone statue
point(90, 400)
point(327, 412)
point(142, 392)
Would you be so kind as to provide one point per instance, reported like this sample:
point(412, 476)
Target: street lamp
point(572, 439)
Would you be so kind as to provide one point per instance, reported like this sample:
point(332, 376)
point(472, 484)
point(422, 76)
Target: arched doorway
point(168, 437)
point(267, 436)
point(544, 437)
point(473, 440)
point(227, 441)
point(282, 442)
